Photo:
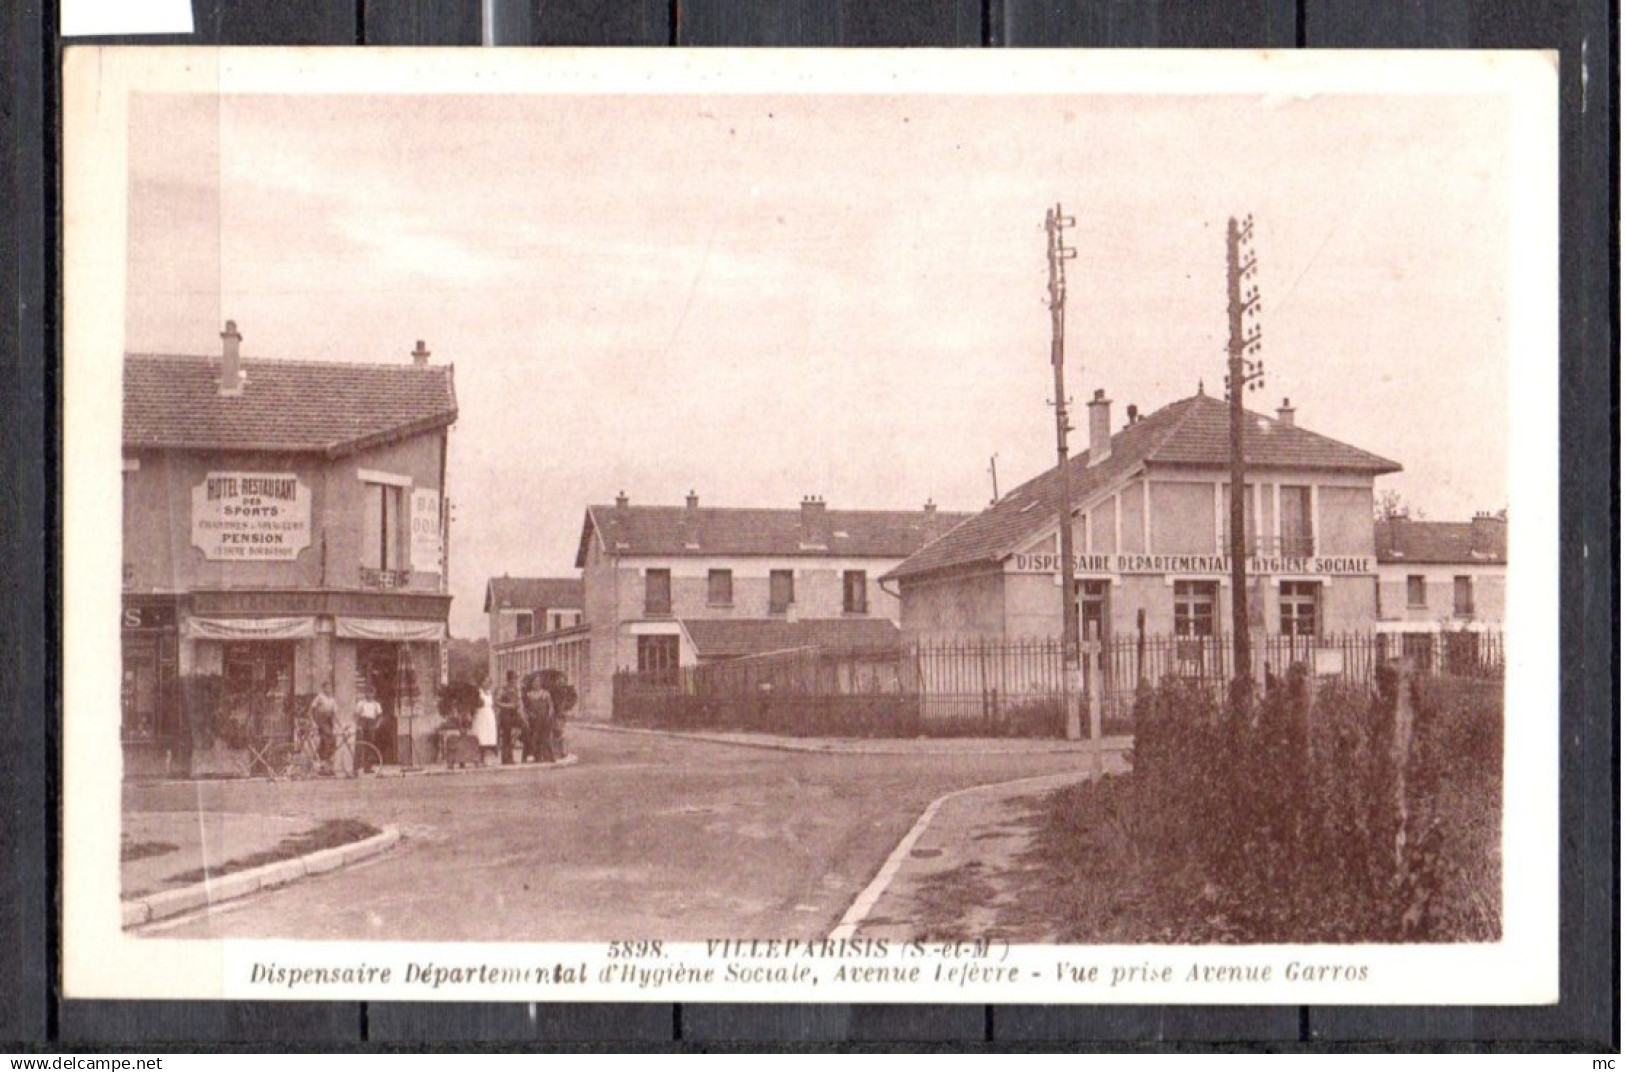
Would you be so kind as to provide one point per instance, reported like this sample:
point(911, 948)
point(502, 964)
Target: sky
point(760, 298)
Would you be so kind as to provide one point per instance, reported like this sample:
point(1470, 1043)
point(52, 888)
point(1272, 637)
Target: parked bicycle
point(299, 755)
point(356, 754)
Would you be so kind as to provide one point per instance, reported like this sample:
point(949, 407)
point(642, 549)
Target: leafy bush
point(1333, 814)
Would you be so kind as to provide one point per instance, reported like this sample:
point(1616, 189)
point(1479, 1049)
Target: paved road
point(646, 837)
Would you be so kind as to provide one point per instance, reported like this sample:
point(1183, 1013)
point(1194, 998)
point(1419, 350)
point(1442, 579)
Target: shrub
point(1327, 814)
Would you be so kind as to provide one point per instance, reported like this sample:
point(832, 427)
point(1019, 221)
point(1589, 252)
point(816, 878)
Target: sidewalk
point(159, 885)
point(960, 863)
point(877, 746)
point(203, 840)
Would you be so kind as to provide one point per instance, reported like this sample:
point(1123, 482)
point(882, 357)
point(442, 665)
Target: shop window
point(1195, 607)
point(781, 590)
point(1297, 521)
point(1300, 608)
point(1416, 590)
point(855, 592)
point(258, 685)
point(1464, 597)
point(382, 527)
point(657, 591)
point(719, 588)
point(140, 693)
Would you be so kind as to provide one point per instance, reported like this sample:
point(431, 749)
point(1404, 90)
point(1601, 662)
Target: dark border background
point(1585, 32)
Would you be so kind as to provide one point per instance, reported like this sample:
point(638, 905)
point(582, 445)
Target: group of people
point(531, 715)
point(338, 730)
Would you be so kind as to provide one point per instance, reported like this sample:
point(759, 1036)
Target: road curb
point(239, 884)
point(897, 748)
point(865, 902)
point(396, 774)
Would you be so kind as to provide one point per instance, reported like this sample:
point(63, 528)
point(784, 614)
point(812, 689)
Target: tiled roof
point(707, 531)
point(328, 408)
point(1191, 432)
point(1479, 542)
point(719, 638)
point(533, 593)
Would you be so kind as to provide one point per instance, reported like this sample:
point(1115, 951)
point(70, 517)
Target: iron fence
point(1005, 688)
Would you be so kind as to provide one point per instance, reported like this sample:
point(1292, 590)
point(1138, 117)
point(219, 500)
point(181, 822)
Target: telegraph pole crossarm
point(1246, 372)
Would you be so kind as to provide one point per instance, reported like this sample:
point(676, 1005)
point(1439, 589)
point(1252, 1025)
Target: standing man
point(508, 720)
point(539, 720)
point(322, 711)
point(367, 713)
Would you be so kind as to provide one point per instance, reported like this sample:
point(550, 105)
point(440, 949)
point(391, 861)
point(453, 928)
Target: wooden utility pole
point(1059, 254)
point(1246, 338)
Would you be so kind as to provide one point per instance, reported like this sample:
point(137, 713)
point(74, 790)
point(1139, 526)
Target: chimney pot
point(1133, 414)
point(1100, 428)
point(231, 360)
point(420, 356)
point(1286, 414)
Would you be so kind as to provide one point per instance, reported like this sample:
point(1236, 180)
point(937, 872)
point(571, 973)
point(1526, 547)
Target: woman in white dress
point(485, 725)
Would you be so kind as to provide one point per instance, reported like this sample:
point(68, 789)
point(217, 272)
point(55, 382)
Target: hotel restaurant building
point(284, 525)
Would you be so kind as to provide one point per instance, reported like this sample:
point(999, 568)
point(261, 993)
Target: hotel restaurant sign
point(251, 517)
point(1214, 565)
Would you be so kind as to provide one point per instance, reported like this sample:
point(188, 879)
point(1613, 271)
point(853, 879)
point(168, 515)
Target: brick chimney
point(691, 521)
point(1489, 535)
point(932, 526)
point(621, 501)
point(814, 524)
point(231, 360)
point(1100, 428)
point(1287, 415)
point(420, 356)
point(1133, 415)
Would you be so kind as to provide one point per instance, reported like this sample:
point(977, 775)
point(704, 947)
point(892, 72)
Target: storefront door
point(387, 668)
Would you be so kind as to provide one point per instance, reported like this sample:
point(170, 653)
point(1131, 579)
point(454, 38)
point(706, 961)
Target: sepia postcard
point(1036, 527)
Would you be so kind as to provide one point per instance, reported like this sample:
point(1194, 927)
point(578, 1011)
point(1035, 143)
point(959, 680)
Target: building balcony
point(384, 579)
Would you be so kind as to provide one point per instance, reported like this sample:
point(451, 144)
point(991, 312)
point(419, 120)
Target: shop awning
point(397, 629)
point(250, 628)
